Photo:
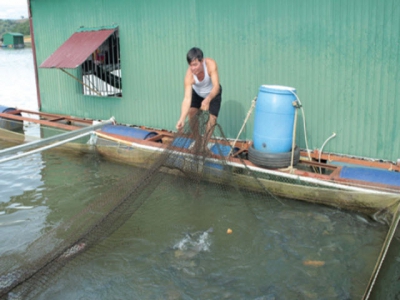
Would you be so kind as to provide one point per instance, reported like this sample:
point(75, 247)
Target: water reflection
point(40, 190)
point(21, 212)
point(17, 77)
point(20, 176)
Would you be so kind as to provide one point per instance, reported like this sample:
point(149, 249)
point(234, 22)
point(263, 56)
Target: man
point(202, 91)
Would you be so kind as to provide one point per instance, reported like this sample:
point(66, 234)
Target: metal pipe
point(323, 145)
point(382, 255)
point(45, 147)
point(55, 138)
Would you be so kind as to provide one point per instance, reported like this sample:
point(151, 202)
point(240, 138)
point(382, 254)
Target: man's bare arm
point(187, 99)
point(213, 72)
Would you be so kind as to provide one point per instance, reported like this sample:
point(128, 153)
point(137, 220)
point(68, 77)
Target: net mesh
point(194, 163)
point(188, 157)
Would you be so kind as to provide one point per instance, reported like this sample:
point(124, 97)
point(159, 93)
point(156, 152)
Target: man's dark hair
point(194, 53)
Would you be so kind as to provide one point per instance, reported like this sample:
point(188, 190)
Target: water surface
point(290, 251)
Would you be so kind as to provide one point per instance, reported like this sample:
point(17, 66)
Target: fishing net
point(189, 158)
point(194, 159)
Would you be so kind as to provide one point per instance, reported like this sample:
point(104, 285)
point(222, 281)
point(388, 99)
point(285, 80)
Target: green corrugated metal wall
point(342, 56)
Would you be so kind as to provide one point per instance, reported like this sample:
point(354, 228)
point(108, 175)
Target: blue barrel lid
point(278, 89)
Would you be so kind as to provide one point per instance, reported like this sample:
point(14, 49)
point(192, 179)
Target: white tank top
point(203, 88)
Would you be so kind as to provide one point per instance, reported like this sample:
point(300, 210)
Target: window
point(96, 51)
point(101, 72)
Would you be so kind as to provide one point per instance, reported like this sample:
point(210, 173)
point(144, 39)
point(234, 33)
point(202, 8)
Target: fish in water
point(314, 263)
point(186, 251)
point(193, 243)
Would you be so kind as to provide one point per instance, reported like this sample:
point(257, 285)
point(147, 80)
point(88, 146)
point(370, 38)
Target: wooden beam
point(51, 116)
point(386, 165)
point(42, 122)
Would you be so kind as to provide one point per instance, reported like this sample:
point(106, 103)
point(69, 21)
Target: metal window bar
point(102, 70)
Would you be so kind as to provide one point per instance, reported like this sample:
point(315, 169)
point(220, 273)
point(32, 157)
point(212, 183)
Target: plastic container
point(274, 118)
point(132, 132)
point(10, 124)
point(371, 175)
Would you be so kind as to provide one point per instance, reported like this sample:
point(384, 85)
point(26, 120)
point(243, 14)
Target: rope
point(81, 82)
point(300, 105)
point(382, 255)
point(253, 103)
point(293, 140)
point(304, 123)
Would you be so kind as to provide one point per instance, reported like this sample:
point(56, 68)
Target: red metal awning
point(76, 49)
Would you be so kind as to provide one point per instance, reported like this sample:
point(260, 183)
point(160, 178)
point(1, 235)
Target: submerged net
point(190, 160)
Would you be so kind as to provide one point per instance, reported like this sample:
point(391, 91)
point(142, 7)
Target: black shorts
point(215, 103)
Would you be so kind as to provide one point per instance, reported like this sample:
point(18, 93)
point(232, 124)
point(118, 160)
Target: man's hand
point(205, 105)
point(180, 124)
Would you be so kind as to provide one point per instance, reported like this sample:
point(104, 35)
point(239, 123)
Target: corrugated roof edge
point(76, 49)
point(14, 33)
point(84, 29)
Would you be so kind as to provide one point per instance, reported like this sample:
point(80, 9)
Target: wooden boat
point(316, 178)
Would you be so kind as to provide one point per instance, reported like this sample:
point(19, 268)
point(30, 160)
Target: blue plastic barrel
point(132, 132)
point(10, 124)
point(274, 118)
point(4, 109)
